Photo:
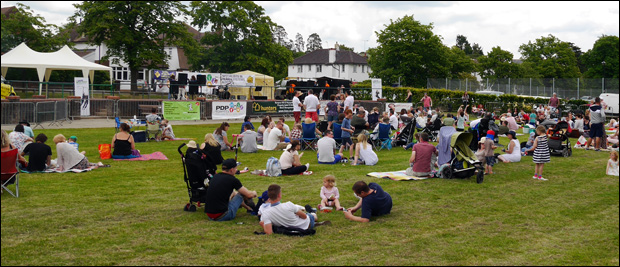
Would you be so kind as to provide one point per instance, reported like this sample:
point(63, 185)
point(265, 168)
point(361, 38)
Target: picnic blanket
point(262, 173)
point(179, 139)
point(396, 176)
point(57, 171)
point(144, 157)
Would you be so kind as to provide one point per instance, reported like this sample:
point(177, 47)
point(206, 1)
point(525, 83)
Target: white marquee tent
point(64, 59)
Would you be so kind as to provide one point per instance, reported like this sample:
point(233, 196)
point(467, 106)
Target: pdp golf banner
point(223, 110)
point(181, 110)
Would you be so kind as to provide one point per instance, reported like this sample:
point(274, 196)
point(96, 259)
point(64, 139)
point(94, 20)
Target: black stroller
point(559, 144)
point(196, 177)
point(433, 130)
point(406, 135)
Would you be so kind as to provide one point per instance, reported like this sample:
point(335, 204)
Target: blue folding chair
point(118, 123)
point(308, 136)
point(383, 137)
point(337, 130)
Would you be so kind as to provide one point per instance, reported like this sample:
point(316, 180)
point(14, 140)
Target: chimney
point(332, 55)
point(337, 46)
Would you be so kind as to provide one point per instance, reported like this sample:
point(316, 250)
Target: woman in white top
point(363, 152)
point(290, 160)
point(69, 157)
point(514, 149)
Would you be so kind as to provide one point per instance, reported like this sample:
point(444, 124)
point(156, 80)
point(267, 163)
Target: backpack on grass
point(273, 167)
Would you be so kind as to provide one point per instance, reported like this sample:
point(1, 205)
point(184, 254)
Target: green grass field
point(132, 214)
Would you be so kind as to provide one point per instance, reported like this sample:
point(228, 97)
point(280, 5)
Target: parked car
point(7, 89)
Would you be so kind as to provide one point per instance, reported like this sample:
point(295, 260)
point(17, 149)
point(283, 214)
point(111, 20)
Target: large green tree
point(602, 60)
point(23, 25)
point(241, 38)
point(551, 57)
point(461, 64)
point(498, 64)
point(135, 32)
point(314, 42)
point(409, 49)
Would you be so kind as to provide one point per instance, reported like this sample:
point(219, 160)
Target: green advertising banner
point(181, 110)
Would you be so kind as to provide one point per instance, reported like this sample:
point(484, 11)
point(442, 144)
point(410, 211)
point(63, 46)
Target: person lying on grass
point(284, 214)
point(373, 202)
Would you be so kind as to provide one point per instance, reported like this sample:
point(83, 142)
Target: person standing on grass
point(373, 202)
point(427, 101)
point(311, 105)
point(541, 152)
point(222, 201)
point(297, 105)
point(597, 121)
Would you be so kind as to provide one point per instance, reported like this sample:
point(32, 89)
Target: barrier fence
point(39, 112)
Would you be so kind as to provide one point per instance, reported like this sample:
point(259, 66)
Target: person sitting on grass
point(40, 154)
point(221, 136)
point(327, 148)
point(287, 214)
point(290, 160)
point(73, 141)
point(167, 133)
point(373, 202)
point(247, 140)
point(19, 139)
point(246, 121)
point(222, 201)
point(212, 152)
point(421, 157)
point(69, 158)
point(364, 155)
point(329, 194)
point(122, 143)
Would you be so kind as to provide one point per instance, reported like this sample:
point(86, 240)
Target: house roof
point(7, 11)
point(321, 56)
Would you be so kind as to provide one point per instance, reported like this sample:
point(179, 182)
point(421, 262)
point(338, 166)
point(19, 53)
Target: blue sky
point(490, 24)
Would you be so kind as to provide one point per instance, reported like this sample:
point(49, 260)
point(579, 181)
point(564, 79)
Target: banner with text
point(272, 107)
point(237, 80)
point(81, 90)
point(181, 110)
point(228, 110)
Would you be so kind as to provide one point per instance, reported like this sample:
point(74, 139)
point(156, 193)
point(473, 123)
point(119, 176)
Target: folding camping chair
point(383, 136)
point(118, 124)
point(9, 173)
point(308, 136)
point(153, 128)
point(337, 130)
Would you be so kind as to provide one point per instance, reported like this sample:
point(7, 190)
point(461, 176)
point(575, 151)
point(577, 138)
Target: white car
point(489, 92)
point(612, 103)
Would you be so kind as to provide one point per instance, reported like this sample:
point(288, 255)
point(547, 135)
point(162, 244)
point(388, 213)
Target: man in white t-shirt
point(297, 106)
point(393, 120)
point(312, 104)
point(285, 129)
point(276, 138)
point(326, 149)
point(275, 213)
point(348, 102)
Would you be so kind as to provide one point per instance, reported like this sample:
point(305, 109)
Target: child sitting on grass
point(73, 142)
point(167, 132)
point(329, 194)
point(612, 164)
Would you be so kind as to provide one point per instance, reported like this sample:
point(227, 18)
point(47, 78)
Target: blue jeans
point(233, 206)
point(337, 159)
point(311, 220)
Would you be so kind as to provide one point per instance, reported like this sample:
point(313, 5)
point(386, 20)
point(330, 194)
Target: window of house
point(319, 68)
point(121, 73)
point(362, 68)
point(354, 68)
point(299, 69)
point(309, 67)
point(343, 68)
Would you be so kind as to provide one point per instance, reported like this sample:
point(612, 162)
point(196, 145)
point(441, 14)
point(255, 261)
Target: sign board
point(222, 110)
point(213, 79)
point(181, 110)
point(377, 89)
point(237, 80)
point(81, 90)
point(272, 107)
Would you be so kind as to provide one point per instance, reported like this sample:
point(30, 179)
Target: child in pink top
point(329, 193)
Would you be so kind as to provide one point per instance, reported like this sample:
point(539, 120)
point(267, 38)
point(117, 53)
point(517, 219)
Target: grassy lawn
point(132, 214)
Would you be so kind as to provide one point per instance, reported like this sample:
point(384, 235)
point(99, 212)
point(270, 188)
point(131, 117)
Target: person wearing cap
point(222, 201)
point(489, 156)
point(480, 152)
point(513, 153)
point(275, 213)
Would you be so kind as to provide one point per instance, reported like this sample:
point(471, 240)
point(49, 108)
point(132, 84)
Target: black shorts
point(596, 130)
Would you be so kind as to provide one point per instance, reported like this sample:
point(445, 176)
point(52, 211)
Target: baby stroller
point(463, 163)
point(433, 130)
point(196, 178)
point(559, 144)
point(405, 136)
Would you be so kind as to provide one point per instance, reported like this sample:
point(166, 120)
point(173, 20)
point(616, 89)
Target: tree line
point(239, 35)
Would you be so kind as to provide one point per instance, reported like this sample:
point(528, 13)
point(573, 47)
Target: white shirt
point(311, 102)
point(296, 103)
point(394, 121)
point(287, 159)
point(368, 156)
point(273, 139)
point(326, 146)
point(348, 102)
point(283, 214)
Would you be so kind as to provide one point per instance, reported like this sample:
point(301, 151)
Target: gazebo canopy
point(64, 59)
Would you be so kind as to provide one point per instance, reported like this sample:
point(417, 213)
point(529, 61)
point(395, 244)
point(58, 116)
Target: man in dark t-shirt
point(359, 124)
point(40, 154)
point(373, 202)
point(222, 202)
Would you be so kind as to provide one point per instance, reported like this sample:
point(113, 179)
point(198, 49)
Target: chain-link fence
point(566, 88)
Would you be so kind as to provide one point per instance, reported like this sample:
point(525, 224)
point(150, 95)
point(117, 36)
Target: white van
point(612, 103)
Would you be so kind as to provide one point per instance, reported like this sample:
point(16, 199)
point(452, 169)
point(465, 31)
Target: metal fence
point(55, 112)
point(567, 88)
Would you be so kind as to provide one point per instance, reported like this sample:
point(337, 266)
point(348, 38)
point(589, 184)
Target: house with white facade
point(333, 63)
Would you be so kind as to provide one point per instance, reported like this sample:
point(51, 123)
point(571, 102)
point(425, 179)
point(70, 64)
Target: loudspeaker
point(258, 88)
point(202, 79)
point(182, 79)
point(260, 97)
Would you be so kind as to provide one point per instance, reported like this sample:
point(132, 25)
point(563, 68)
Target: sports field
point(132, 214)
